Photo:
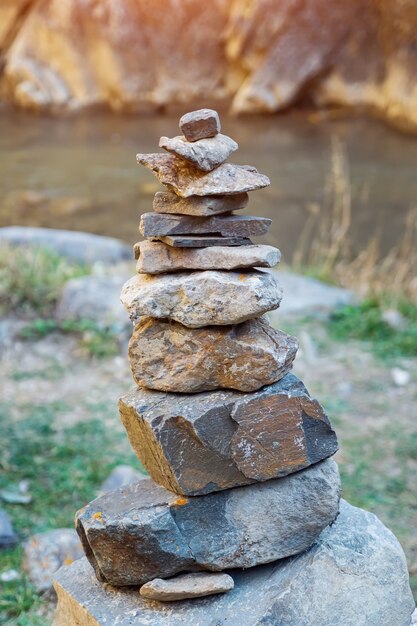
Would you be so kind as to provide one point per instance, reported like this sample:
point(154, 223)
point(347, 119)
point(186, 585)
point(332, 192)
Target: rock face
point(187, 180)
point(195, 444)
point(155, 225)
point(206, 154)
point(185, 586)
point(200, 124)
point(169, 202)
point(202, 298)
point(355, 574)
point(158, 258)
point(167, 356)
point(142, 531)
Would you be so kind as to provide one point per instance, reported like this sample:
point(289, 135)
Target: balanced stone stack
point(237, 450)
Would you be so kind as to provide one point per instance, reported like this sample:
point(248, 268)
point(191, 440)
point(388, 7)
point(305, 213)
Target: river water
point(80, 172)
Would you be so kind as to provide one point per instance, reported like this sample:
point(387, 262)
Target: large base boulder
point(354, 575)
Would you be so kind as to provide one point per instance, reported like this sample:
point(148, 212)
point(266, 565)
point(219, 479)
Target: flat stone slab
point(206, 154)
point(200, 124)
point(202, 241)
point(202, 298)
point(143, 531)
point(161, 224)
point(168, 356)
point(196, 444)
point(169, 202)
point(354, 575)
point(158, 258)
point(186, 180)
point(183, 586)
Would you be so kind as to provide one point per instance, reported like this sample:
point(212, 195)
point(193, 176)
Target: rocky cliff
point(258, 55)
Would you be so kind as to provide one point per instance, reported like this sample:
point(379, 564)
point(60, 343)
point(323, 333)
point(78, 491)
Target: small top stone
point(200, 124)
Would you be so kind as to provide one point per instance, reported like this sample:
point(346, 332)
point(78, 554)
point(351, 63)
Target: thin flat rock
point(186, 180)
point(168, 356)
point(202, 298)
point(161, 224)
point(202, 241)
point(157, 258)
point(195, 444)
point(200, 124)
point(142, 531)
point(184, 586)
point(169, 202)
point(205, 154)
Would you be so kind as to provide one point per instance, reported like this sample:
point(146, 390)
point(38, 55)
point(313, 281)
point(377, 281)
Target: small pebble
point(400, 377)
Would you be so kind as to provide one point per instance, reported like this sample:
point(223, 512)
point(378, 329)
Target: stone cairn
point(237, 450)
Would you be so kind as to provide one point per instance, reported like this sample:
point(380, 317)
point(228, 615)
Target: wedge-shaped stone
point(355, 574)
point(206, 154)
point(161, 224)
point(169, 202)
point(195, 444)
point(202, 298)
point(187, 180)
point(183, 586)
point(157, 258)
point(168, 356)
point(143, 531)
point(200, 124)
point(202, 241)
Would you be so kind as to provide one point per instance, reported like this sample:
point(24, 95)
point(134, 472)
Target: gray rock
point(354, 575)
point(202, 241)
point(46, 552)
point(157, 258)
point(200, 124)
point(121, 475)
point(195, 444)
point(161, 224)
point(202, 298)
point(187, 180)
point(77, 246)
point(8, 538)
point(183, 586)
point(414, 618)
point(206, 154)
point(169, 202)
point(168, 356)
point(143, 531)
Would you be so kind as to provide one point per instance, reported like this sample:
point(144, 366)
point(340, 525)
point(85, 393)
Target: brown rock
point(187, 180)
point(168, 356)
point(183, 586)
point(169, 202)
point(156, 257)
point(200, 124)
point(161, 224)
point(202, 241)
point(206, 154)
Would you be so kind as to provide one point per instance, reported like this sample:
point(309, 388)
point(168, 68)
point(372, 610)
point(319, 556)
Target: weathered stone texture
point(168, 356)
point(202, 298)
point(202, 241)
point(183, 586)
point(156, 225)
point(200, 124)
point(156, 257)
point(142, 531)
point(169, 202)
point(195, 444)
point(206, 154)
point(187, 180)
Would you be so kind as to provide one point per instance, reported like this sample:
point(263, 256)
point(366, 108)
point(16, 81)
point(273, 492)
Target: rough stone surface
point(202, 298)
point(77, 246)
point(8, 538)
point(187, 180)
point(195, 444)
point(202, 241)
point(169, 202)
point(121, 475)
point(143, 531)
point(206, 154)
point(46, 552)
point(183, 586)
point(160, 224)
point(168, 356)
point(156, 257)
point(200, 124)
point(354, 575)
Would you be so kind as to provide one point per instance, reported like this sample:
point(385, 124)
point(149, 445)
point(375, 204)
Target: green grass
point(65, 466)
point(31, 279)
point(365, 322)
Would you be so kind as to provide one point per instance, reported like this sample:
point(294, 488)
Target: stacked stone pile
point(237, 450)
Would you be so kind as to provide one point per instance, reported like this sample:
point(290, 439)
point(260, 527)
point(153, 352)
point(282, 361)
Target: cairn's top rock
point(200, 124)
